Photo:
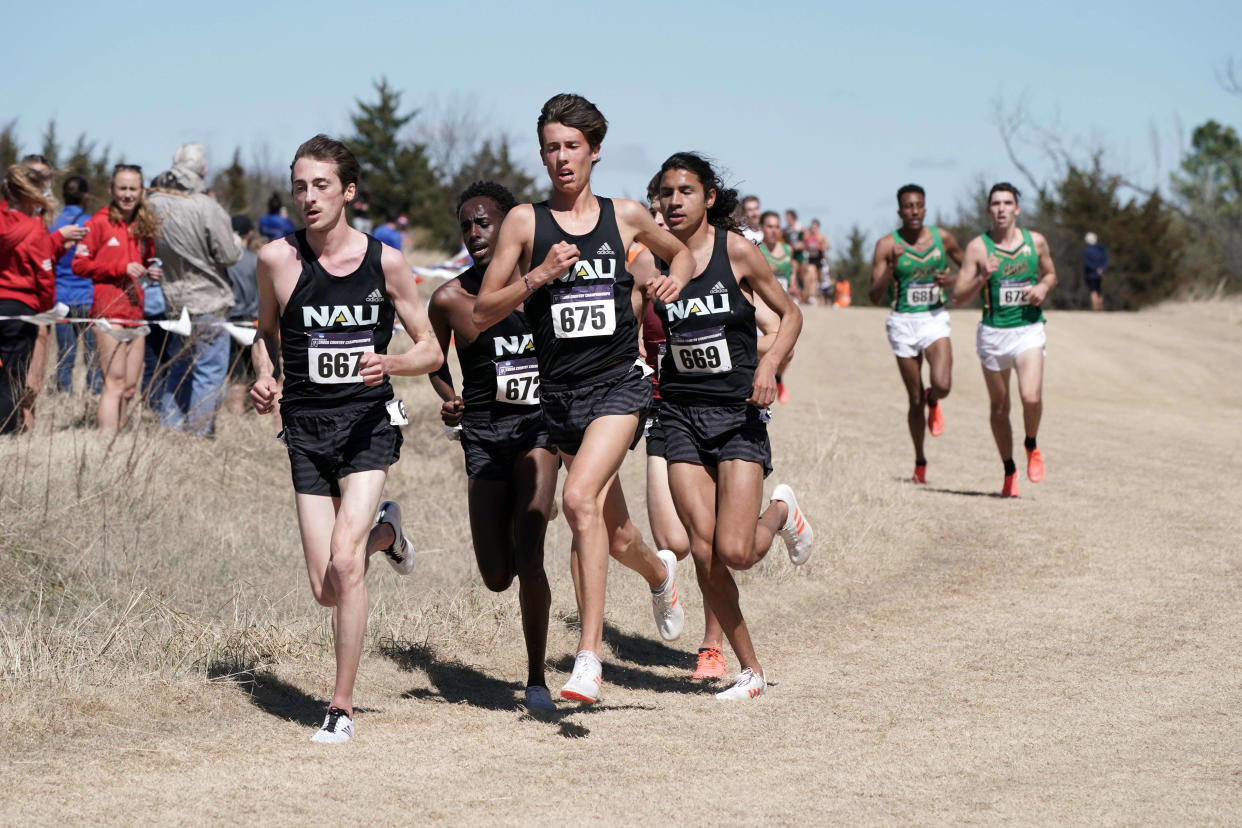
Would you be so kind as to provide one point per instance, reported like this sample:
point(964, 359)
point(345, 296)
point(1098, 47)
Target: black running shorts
point(622, 389)
point(706, 435)
point(654, 431)
point(325, 446)
point(492, 442)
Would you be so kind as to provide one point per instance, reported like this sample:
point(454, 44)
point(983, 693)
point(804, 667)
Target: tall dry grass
point(158, 556)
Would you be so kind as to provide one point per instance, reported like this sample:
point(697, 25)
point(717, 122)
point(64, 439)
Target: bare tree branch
point(1229, 77)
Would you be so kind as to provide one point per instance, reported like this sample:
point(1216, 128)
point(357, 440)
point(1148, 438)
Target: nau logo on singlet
point(506, 345)
point(709, 305)
point(328, 316)
point(591, 269)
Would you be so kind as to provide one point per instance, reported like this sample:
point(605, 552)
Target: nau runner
point(328, 296)
point(565, 258)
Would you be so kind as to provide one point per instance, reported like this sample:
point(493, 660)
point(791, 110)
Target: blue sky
point(822, 108)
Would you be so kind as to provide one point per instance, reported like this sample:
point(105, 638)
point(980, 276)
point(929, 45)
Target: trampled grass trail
point(946, 656)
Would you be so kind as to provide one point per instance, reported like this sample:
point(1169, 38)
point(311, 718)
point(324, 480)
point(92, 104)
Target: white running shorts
point(911, 334)
point(999, 347)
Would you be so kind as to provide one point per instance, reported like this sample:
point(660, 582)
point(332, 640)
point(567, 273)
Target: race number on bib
point(585, 310)
point(922, 293)
point(517, 381)
point(332, 358)
point(702, 352)
point(1013, 294)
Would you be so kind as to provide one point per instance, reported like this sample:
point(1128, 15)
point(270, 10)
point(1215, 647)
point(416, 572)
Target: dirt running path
point(948, 656)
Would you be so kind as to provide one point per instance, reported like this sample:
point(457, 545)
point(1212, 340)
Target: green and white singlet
point(1004, 297)
point(783, 268)
point(914, 289)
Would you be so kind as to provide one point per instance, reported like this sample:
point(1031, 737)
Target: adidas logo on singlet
point(375, 296)
point(718, 288)
point(604, 250)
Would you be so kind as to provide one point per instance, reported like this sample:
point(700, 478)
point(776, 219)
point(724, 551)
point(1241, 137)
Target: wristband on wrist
point(527, 281)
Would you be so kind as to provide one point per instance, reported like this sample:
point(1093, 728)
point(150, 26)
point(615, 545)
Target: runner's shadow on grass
point(635, 678)
point(272, 695)
point(454, 682)
point(645, 652)
point(963, 492)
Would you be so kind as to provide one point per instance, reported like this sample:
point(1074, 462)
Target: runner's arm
point(972, 276)
point(881, 270)
point(945, 278)
point(752, 267)
point(661, 243)
point(1047, 272)
point(439, 315)
point(266, 348)
point(504, 289)
point(425, 356)
point(768, 323)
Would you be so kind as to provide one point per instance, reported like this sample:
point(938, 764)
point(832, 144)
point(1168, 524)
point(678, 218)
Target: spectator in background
point(275, 224)
point(77, 292)
point(388, 232)
point(1094, 263)
point(27, 283)
point(361, 209)
point(244, 276)
point(751, 220)
point(118, 254)
point(197, 245)
point(795, 234)
point(817, 248)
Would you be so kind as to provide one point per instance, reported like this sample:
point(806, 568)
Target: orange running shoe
point(1034, 466)
point(1010, 489)
point(711, 664)
point(782, 393)
point(920, 473)
point(935, 420)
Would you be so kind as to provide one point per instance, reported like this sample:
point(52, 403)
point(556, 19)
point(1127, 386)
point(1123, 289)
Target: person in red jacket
point(117, 253)
point(27, 280)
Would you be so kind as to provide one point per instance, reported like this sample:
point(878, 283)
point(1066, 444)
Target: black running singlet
point(328, 323)
point(584, 321)
point(712, 347)
point(499, 369)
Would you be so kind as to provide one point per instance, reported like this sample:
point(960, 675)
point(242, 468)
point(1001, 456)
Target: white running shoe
point(796, 533)
point(669, 616)
point(539, 700)
point(337, 728)
point(583, 685)
point(401, 553)
point(749, 685)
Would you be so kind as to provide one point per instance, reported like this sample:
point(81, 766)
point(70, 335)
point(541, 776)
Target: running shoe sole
point(400, 554)
point(796, 532)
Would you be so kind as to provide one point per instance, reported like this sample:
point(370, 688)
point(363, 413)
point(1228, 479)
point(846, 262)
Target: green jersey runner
point(1004, 297)
point(783, 268)
point(913, 289)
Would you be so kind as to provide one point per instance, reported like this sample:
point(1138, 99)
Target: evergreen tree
point(9, 148)
point(230, 185)
point(396, 172)
point(494, 163)
point(51, 147)
point(854, 265)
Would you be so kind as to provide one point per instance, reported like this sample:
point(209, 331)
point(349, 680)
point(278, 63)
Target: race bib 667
point(332, 358)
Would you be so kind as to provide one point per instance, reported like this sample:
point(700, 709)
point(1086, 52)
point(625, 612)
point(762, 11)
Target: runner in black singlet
point(327, 301)
point(510, 462)
point(566, 259)
point(715, 392)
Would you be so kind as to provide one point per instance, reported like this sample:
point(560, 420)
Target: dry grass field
point(947, 656)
